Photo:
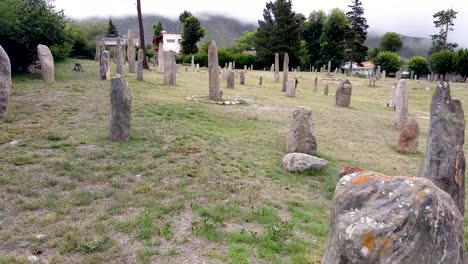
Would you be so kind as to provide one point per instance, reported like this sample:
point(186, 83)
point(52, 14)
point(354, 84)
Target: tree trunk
point(142, 35)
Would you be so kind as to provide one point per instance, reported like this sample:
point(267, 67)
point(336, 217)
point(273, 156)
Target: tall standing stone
point(161, 58)
point(119, 57)
point(400, 101)
point(384, 75)
point(301, 135)
point(131, 52)
point(291, 88)
point(343, 94)
point(412, 75)
point(121, 107)
point(242, 77)
point(170, 68)
point(260, 81)
point(230, 79)
point(285, 71)
point(47, 63)
point(5, 82)
point(230, 66)
point(104, 66)
point(444, 161)
point(315, 84)
point(192, 65)
point(325, 91)
point(213, 71)
point(140, 65)
point(329, 67)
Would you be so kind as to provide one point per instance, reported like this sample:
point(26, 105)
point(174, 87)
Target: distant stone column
point(285, 71)
point(245, 67)
point(120, 109)
point(213, 71)
point(400, 100)
point(161, 58)
point(291, 88)
point(140, 65)
point(104, 66)
point(384, 75)
point(234, 65)
point(47, 63)
point(230, 79)
point(444, 160)
point(272, 69)
point(230, 66)
point(260, 81)
point(315, 84)
point(251, 67)
point(276, 74)
point(329, 68)
point(412, 75)
point(119, 57)
point(325, 91)
point(170, 68)
point(5, 82)
point(192, 65)
point(242, 77)
point(131, 52)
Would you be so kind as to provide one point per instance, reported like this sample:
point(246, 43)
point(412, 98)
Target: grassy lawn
point(197, 182)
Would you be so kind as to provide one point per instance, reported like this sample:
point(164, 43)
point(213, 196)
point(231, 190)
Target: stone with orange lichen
point(384, 219)
point(349, 170)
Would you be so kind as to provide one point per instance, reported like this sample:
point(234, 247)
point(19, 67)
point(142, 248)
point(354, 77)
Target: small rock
point(33, 259)
point(299, 162)
point(40, 237)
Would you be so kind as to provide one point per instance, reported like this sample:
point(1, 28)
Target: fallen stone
point(299, 162)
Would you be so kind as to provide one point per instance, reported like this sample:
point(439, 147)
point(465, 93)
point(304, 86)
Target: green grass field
point(197, 182)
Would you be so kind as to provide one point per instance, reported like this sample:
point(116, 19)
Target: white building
point(170, 41)
point(365, 68)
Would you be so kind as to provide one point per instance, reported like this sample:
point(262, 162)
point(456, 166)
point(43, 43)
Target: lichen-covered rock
point(47, 63)
point(343, 94)
point(290, 89)
point(121, 107)
point(213, 71)
point(400, 101)
point(408, 141)
point(444, 161)
point(301, 137)
point(380, 219)
point(5, 82)
point(299, 162)
point(347, 169)
point(104, 65)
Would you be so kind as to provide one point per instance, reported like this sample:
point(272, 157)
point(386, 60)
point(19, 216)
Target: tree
point(142, 34)
point(462, 62)
point(333, 39)
point(313, 29)
point(26, 23)
point(388, 61)
point(191, 34)
point(357, 34)
point(373, 53)
point(391, 41)
point(184, 15)
point(445, 23)
point(246, 42)
point(279, 32)
point(442, 62)
point(418, 65)
point(157, 29)
point(112, 30)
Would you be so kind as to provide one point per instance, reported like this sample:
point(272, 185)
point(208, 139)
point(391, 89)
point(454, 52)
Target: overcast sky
point(408, 17)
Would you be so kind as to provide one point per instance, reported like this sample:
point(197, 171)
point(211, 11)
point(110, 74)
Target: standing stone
point(245, 67)
point(301, 136)
point(234, 65)
point(47, 63)
point(242, 77)
point(277, 77)
point(119, 57)
point(121, 106)
point(5, 82)
point(400, 101)
point(131, 52)
point(277, 62)
point(379, 72)
point(140, 65)
point(408, 141)
point(272, 69)
point(230, 66)
point(343, 94)
point(230, 79)
point(291, 88)
point(379, 219)
point(161, 58)
point(285, 71)
point(170, 68)
point(251, 67)
point(412, 75)
point(325, 91)
point(384, 75)
point(213, 71)
point(444, 161)
point(104, 66)
point(329, 67)
point(315, 84)
point(193, 62)
point(260, 81)
point(197, 67)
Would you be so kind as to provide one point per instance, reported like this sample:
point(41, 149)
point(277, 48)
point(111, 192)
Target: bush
point(419, 65)
point(443, 62)
point(389, 61)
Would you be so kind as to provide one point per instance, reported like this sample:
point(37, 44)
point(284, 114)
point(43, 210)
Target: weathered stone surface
point(380, 219)
point(315, 84)
point(408, 141)
point(161, 58)
point(213, 71)
point(444, 161)
point(230, 79)
point(140, 65)
point(291, 88)
point(47, 63)
point(104, 66)
point(343, 94)
point(120, 109)
point(119, 57)
point(131, 52)
point(285, 71)
point(301, 137)
point(5, 82)
point(347, 169)
point(242, 77)
point(400, 101)
point(325, 91)
point(299, 162)
point(170, 68)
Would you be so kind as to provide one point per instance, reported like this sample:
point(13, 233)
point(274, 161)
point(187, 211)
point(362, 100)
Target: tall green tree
point(112, 30)
point(191, 35)
point(246, 42)
point(443, 62)
point(184, 15)
point(333, 39)
point(313, 29)
point(462, 62)
point(445, 23)
point(391, 41)
point(157, 28)
point(357, 34)
point(279, 31)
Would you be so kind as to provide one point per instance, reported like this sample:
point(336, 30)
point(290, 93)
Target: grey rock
point(301, 137)
point(291, 88)
point(140, 65)
point(213, 71)
point(285, 71)
point(5, 82)
point(170, 68)
point(104, 65)
point(343, 94)
point(242, 77)
point(400, 101)
point(230, 79)
point(121, 107)
point(47, 63)
point(299, 162)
